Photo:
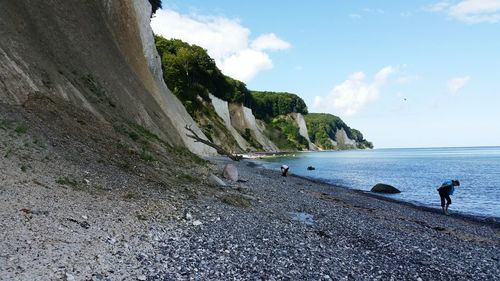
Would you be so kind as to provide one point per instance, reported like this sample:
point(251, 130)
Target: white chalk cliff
point(222, 109)
point(68, 49)
point(301, 123)
point(242, 118)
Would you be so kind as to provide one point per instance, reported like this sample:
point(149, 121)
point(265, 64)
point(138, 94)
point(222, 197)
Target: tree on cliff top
point(155, 5)
point(190, 73)
point(267, 105)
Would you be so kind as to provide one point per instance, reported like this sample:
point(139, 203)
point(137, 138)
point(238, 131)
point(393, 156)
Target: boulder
point(384, 188)
point(230, 172)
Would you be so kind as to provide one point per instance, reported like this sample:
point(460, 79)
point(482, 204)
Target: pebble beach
point(264, 227)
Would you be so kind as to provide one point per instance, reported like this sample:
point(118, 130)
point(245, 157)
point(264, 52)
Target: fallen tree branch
point(219, 149)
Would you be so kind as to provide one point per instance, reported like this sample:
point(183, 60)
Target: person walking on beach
point(445, 190)
point(284, 170)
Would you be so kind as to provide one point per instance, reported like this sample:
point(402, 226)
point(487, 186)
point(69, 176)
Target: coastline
point(477, 199)
point(492, 220)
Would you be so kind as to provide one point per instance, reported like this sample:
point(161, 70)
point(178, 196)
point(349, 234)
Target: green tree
point(266, 105)
point(155, 5)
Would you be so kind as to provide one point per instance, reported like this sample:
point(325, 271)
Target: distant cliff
point(328, 131)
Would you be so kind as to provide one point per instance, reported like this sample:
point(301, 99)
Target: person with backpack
point(284, 170)
point(445, 190)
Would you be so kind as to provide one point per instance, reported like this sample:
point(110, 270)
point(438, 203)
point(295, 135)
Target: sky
point(404, 73)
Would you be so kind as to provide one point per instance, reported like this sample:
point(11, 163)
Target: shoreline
point(487, 217)
point(490, 220)
point(495, 221)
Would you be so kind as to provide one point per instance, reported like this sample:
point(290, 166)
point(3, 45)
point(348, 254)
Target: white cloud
point(405, 79)
point(470, 11)
point(226, 41)
point(476, 11)
point(269, 42)
point(354, 93)
point(245, 64)
point(355, 16)
point(438, 7)
point(373, 11)
point(456, 84)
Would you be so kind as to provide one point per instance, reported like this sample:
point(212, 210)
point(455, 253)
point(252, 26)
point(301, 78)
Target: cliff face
point(222, 109)
point(343, 139)
point(95, 54)
point(301, 123)
point(244, 121)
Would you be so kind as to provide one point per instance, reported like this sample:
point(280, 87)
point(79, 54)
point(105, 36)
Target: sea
point(416, 172)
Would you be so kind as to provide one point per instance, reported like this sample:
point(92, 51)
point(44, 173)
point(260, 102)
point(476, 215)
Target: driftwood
point(219, 149)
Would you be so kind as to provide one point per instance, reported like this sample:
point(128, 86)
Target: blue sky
point(405, 73)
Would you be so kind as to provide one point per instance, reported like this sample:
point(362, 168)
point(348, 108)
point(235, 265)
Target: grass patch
point(146, 155)
point(145, 133)
point(137, 132)
point(130, 195)
point(184, 152)
point(67, 180)
point(187, 178)
point(8, 152)
point(236, 200)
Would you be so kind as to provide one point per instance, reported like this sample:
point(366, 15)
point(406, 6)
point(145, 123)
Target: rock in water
point(384, 188)
point(214, 180)
point(230, 172)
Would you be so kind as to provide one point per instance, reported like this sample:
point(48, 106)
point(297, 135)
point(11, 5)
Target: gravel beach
point(265, 227)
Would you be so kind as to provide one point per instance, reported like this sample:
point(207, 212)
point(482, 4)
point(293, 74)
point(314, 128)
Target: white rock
point(197, 222)
point(189, 216)
point(69, 277)
point(141, 277)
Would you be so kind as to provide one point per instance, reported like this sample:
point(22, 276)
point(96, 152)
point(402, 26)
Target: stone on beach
point(384, 188)
point(216, 181)
point(230, 172)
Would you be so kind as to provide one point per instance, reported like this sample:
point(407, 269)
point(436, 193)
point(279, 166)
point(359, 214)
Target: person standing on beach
point(284, 170)
point(445, 190)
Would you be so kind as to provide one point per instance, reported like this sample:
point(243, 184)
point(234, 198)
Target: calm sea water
point(417, 172)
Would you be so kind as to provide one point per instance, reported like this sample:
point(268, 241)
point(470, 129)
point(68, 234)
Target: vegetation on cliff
point(192, 75)
point(266, 105)
point(322, 129)
point(284, 132)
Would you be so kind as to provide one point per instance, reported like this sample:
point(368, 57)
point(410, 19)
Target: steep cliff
point(222, 109)
point(301, 123)
point(251, 128)
point(96, 54)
